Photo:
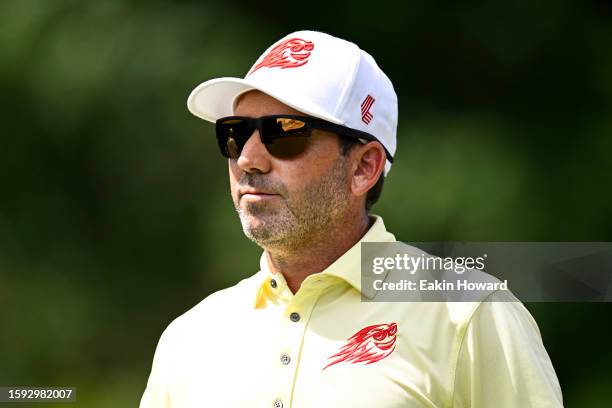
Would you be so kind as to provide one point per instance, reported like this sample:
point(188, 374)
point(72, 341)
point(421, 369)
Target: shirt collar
point(347, 267)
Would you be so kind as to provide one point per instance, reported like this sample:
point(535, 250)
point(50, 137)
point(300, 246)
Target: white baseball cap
point(315, 73)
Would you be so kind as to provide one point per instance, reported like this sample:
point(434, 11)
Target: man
point(310, 134)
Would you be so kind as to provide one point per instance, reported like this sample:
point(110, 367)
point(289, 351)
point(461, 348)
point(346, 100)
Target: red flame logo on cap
point(290, 53)
point(370, 344)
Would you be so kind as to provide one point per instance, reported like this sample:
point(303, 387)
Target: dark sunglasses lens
point(232, 134)
point(285, 137)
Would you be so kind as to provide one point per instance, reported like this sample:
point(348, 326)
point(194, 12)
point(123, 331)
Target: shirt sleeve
point(156, 394)
point(502, 361)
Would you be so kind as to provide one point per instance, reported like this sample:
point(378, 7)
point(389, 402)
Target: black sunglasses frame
point(311, 123)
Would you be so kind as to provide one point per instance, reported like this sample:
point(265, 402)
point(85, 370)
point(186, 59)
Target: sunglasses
point(284, 136)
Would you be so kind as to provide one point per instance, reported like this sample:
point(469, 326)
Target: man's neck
point(319, 254)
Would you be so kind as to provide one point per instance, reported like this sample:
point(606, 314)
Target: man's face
point(286, 203)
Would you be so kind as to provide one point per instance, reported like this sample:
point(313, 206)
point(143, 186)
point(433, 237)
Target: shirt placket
point(293, 325)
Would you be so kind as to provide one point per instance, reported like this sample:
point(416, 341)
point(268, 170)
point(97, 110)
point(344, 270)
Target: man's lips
point(255, 195)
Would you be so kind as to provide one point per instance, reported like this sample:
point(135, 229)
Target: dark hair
point(346, 145)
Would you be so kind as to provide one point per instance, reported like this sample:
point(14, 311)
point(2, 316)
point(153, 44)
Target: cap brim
point(215, 99)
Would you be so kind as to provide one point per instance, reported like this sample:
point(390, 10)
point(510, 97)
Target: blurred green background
point(115, 214)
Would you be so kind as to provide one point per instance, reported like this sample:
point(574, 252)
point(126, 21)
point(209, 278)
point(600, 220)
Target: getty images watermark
point(487, 271)
point(426, 263)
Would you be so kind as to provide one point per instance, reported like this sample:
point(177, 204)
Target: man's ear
point(368, 162)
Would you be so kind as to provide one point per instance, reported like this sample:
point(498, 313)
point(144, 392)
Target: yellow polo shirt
point(257, 344)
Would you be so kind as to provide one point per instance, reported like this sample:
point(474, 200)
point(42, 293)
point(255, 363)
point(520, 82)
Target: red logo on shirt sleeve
point(369, 345)
point(290, 53)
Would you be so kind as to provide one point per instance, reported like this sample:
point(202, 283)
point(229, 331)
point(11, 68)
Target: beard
point(297, 218)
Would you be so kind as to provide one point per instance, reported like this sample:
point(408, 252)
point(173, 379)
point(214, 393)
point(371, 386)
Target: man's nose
point(254, 157)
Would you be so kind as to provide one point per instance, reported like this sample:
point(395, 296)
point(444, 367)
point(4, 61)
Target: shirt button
point(278, 404)
point(285, 359)
point(273, 283)
point(294, 316)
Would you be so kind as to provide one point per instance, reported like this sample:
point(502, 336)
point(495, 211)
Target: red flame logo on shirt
point(370, 344)
point(290, 53)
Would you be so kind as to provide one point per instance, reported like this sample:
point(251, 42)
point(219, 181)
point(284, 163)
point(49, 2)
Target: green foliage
point(115, 215)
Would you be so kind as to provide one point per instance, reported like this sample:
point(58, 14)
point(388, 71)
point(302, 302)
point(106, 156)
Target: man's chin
point(262, 228)
point(259, 221)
